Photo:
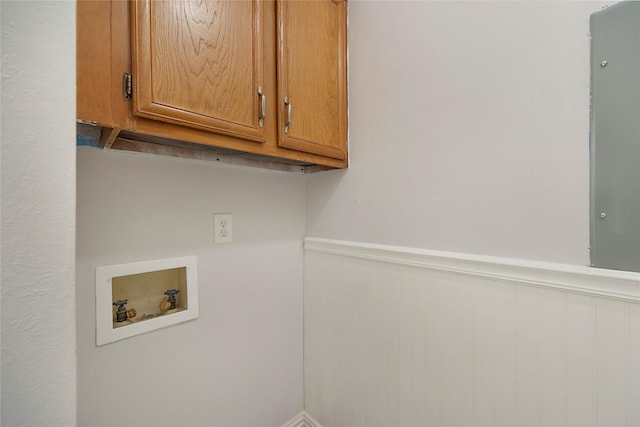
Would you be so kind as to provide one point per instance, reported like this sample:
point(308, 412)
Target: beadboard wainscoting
point(404, 337)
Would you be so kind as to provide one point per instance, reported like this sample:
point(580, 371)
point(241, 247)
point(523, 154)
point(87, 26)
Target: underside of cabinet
point(103, 138)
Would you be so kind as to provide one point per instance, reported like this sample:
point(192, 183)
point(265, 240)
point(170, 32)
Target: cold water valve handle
point(171, 293)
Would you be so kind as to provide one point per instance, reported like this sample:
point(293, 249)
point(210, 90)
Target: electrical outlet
point(222, 228)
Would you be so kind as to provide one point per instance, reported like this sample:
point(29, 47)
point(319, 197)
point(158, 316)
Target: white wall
point(469, 130)
point(239, 363)
point(469, 133)
point(38, 214)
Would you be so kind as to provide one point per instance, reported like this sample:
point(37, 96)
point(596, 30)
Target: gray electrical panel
point(615, 137)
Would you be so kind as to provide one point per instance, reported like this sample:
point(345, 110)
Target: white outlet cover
point(223, 228)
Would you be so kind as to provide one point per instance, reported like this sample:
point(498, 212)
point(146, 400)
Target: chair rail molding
point(612, 284)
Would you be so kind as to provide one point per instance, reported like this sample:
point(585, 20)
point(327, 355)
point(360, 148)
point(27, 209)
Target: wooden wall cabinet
point(312, 74)
point(200, 64)
point(247, 81)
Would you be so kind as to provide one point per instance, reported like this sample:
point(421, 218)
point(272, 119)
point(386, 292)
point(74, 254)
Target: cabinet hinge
point(127, 86)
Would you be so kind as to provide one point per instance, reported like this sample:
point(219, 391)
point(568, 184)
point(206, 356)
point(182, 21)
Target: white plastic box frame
point(105, 330)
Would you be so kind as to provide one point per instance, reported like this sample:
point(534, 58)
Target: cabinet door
point(200, 64)
point(312, 82)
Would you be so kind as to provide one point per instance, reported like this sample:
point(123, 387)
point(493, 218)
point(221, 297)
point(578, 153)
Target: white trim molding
point(302, 420)
point(613, 284)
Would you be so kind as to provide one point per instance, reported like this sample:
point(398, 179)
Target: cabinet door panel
point(312, 76)
point(199, 64)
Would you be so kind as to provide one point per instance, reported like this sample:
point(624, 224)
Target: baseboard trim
point(302, 420)
point(613, 284)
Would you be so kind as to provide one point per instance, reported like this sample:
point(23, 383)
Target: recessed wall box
point(139, 297)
